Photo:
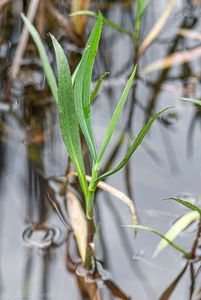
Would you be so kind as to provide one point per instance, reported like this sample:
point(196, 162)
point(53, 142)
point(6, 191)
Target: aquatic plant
point(182, 223)
point(73, 96)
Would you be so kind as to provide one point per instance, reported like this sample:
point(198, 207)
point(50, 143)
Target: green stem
point(91, 193)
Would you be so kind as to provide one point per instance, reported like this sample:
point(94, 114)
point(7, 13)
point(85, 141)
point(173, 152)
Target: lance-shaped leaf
point(181, 224)
point(43, 56)
point(82, 86)
point(67, 115)
point(146, 228)
point(115, 118)
point(172, 60)
point(186, 204)
point(97, 87)
point(134, 146)
point(157, 27)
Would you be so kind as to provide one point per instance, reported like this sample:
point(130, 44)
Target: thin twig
point(23, 40)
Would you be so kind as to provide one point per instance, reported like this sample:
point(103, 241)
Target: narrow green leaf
point(195, 101)
point(141, 6)
point(68, 119)
point(43, 56)
point(73, 76)
point(186, 204)
point(115, 118)
point(146, 228)
point(105, 20)
point(97, 87)
point(181, 224)
point(82, 86)
point(134, 146)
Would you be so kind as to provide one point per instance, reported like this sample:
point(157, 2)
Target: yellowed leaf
point(172, 60)
point(120, 195)
point(78, 222)
point(79, 21)
point(115, 192)
point(190, 34)
point(157, 27)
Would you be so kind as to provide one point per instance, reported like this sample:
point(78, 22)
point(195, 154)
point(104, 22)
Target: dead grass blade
point(78, 222)
point(23, 40)
point(172, 60)
point(79, 22)
point(115, 192)
point(157, 27)
point(120, 195)
point(191, 34)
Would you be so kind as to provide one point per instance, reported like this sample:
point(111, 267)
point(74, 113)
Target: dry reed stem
point(23, 40)
point(79, 22)
point(191, 34)
point(173, 60)
point(157, 27)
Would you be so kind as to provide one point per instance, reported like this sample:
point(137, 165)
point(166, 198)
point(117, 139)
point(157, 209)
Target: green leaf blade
point(115, 117)
point(186, 204)
point(68, 119)
point(134, 146)
point(146, 228)
point(43, 56)
point(195, 101)
point(97, 87)
point(82, 86)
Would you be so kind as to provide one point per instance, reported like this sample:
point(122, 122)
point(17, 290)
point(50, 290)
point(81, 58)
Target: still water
point(38, 255)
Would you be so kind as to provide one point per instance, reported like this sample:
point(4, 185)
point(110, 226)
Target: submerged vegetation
point(88, 166)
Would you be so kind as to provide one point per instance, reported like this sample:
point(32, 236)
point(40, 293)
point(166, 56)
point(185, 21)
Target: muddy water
point(38, 259)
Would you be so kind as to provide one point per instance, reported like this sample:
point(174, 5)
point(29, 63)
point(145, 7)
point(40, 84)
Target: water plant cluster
point(74, 98)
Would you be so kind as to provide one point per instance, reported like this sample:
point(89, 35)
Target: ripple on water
point(98, 277)
point(171, 118)
point(41, 236)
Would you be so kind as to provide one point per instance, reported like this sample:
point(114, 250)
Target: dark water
point(38, 257)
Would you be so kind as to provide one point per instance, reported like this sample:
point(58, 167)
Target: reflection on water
point(41, 236)
point(33, 212)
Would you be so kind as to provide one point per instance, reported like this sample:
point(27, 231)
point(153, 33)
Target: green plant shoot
point(73, 96)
